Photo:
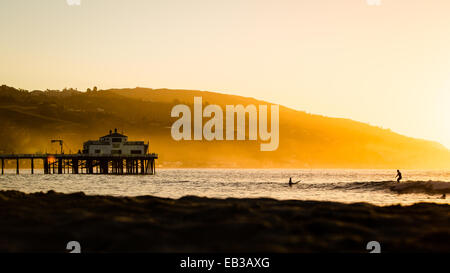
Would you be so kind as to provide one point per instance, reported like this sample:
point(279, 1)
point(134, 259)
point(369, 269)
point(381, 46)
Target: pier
point(87, 164)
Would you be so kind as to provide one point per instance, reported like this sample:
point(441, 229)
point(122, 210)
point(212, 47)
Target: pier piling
point(46, 166)
point(75, 166)
point(76, 163)
point(60, 165)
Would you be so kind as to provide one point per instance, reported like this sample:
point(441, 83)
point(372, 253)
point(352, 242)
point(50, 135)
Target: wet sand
point(45, 222)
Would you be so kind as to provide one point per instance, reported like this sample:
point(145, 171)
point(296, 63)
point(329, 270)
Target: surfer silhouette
point(398, 176)
point(292, 183)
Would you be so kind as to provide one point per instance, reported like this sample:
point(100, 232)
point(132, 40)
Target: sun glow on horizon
point(382, 65)
point(443, 114)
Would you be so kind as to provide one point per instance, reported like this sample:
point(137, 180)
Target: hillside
point(30, 119)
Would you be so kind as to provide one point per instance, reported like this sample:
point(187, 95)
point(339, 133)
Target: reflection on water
point(372, 186)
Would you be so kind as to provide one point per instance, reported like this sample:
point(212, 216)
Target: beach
point(46, 222)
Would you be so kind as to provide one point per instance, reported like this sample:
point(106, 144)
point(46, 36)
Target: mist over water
point(373, 186)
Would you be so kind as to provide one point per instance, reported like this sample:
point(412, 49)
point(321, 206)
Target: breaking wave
point(427, 187)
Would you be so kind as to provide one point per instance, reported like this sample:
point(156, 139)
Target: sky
point(387, 65)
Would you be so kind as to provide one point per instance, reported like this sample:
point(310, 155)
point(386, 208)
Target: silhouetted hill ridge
point(30, 119)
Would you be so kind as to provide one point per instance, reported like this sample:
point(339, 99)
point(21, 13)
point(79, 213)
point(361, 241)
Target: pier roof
point(115, 134)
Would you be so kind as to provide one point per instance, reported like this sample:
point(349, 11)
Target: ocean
point(340, 185)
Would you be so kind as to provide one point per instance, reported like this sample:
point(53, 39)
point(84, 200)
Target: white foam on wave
point(426, 187)
point(429, 187)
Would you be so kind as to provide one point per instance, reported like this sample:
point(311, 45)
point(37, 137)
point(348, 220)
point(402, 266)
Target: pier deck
point(87, 163)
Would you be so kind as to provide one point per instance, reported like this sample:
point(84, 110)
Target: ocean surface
point(349, 186)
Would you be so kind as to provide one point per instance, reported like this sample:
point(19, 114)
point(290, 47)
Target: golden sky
point(387, 65)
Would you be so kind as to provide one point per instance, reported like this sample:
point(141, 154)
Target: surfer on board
point(292, 183)
point(398, 176)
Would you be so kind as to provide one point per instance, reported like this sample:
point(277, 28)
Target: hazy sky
point(387, 65)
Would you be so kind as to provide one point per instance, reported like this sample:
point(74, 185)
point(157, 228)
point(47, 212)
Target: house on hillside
point(114, 144)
